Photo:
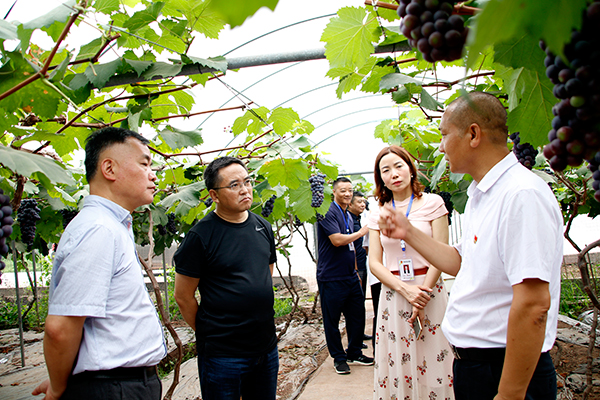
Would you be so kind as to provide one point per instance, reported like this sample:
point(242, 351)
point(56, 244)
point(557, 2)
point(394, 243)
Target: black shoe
point(364, 346)
point(362, 360)
point(367, 337)
point(341, 367)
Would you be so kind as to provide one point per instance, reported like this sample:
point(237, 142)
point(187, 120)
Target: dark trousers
point(229, 378)
point(337, 298)
point(375, 292)
point(475, 380)
point(83, 386)
point(362, 274)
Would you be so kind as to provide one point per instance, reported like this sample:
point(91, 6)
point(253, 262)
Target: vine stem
point(459, 8)
point(585, 278)
point(42, 72)
point(160, 305)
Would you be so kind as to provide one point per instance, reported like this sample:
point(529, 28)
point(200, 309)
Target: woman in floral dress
point(407, 367)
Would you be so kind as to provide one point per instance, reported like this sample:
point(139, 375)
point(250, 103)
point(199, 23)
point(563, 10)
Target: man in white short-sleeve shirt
point(103, 338)
point(502, 313)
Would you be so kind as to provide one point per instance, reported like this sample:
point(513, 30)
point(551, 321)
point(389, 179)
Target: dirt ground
point(570, 357)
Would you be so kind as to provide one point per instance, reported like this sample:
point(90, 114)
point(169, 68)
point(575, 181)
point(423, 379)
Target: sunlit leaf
point(178, 139)
point(26, 164)
point(235, 12)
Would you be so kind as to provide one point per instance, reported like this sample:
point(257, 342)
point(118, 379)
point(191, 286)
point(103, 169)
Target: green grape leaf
point(349, 37)
point(218, 63)
point(60, 14)
point(502, 20)
point(8, 31)
point(331, 171)
point(178, 139)
point(90, 49)
point(530, 112)
point(301, 199)
point(519, 52)
point(429, 102)
point(160, 70)
point(235, 12)
point(401, 95)
point(138, 66)
point(371, 85)
point(188, 195)
point(285, 172)
point(249, 121)
point(106, 6)
point(99, 74)
point(283, 120)
point(27, 164)
point(144, 17)
point(390, 81)
point(59, 72)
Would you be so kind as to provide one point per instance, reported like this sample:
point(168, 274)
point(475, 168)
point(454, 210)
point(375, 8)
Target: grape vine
point(6, 221)
point(317, 188)
point(430, 26)
point(524, 152)
point(68, 214)
point(28, 215)
point(575, 133)
point(268, 207)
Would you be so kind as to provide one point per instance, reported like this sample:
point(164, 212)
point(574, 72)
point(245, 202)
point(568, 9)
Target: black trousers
point(88, 387)
point(476, 380)
point(375, 292)
point(337, 298)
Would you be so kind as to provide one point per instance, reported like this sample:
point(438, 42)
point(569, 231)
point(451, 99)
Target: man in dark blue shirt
point(339, 285)
point(356, 208)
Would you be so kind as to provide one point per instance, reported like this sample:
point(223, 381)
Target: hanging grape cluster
point(317, 188)
point(430, 26)
point(320, 217)
point(447, 197)
point(170, 227)
point(68, 215)
point(6, 221)
point(524, 152)
point(575, 133)
point(208, 202)
point(268, 207)
point(28, 215)
point(297, 222)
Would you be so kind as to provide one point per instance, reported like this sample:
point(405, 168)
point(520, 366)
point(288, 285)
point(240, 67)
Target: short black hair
point(340, 179)
point(102, 139)
point(356, 194)
point(211, 173)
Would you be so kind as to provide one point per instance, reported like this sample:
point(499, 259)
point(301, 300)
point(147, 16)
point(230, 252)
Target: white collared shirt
point(512, 230)
point(96, 274)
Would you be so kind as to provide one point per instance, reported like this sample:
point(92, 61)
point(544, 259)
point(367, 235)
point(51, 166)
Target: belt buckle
point(455, 352)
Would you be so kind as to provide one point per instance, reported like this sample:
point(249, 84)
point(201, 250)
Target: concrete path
point(325, 383)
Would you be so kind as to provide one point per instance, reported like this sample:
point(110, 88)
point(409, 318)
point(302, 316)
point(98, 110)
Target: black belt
point(121, 373)
point(479, 354)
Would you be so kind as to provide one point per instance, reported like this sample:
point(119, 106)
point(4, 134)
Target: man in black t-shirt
point(229, 256)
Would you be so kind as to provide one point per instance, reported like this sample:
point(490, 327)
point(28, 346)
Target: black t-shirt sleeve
point(190, 256)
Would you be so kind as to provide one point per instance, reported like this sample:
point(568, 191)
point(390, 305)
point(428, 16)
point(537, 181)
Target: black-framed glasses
point(248, 182)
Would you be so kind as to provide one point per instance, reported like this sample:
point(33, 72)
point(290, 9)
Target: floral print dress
point(406, 368)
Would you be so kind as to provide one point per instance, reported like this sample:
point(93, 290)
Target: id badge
point(407, 273)
point(351, 246)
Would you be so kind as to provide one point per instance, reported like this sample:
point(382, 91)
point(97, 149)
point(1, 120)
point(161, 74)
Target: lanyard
point(412, 196)
point(344, 217)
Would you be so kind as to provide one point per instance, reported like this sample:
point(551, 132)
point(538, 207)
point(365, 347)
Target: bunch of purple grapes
point(447, 197)
point(268, 207)
point(317, 188)
point(28, 215)
point(68, 214)
point(430, 26)
point(524, 152)
point(6, 221)
point(575, 133)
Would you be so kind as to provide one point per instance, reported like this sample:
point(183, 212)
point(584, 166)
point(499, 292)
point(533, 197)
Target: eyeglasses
point(248, 182)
